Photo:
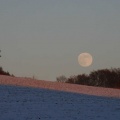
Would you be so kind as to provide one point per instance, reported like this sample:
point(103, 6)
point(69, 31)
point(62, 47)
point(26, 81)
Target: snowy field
point(25, 103)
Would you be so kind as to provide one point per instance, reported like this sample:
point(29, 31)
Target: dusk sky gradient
point(43, 38)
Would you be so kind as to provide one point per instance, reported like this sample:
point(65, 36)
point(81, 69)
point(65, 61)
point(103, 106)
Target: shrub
point(2, 72)
point(102, 78)
point(61, 78)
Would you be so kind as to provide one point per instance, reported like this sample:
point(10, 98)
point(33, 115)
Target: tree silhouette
point(82, 79)
point(61, 78)
point(0, 52)
point(72, 80)
point(105, 78)
point(2, 72)
point(109, 78)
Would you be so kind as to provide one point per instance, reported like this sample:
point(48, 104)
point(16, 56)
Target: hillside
point(97, 91)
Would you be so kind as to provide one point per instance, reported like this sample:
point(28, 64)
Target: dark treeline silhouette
point(0, 51)
point(61, 78)
point(2, 72)
point(109, 78)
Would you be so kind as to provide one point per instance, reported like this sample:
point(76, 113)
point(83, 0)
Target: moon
point(85, 59)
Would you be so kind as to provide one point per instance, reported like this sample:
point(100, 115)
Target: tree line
point(109, 78)
point(2, 72)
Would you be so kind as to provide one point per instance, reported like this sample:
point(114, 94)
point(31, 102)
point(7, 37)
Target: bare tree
point(72, 79)
point(0, 51)
point(105, 78)
point(82, 79)
point(61, 78)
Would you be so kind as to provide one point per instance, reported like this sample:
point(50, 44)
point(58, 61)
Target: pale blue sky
point(44, 37)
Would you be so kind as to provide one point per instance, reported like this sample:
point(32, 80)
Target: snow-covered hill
point(97, 91)
point(27, 99)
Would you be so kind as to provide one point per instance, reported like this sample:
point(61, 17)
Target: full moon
point(85, 59)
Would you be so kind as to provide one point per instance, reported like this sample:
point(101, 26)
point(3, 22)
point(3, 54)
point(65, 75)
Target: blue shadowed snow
point(24, 103)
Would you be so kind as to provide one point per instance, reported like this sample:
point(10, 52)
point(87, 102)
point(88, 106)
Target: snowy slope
point(27, 99)
point(97, 91)
point(26, 103)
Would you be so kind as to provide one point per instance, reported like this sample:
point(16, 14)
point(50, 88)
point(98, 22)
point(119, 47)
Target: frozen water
point(25, 103)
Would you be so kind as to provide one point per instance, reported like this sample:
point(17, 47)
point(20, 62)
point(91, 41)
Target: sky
point(43, 38)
